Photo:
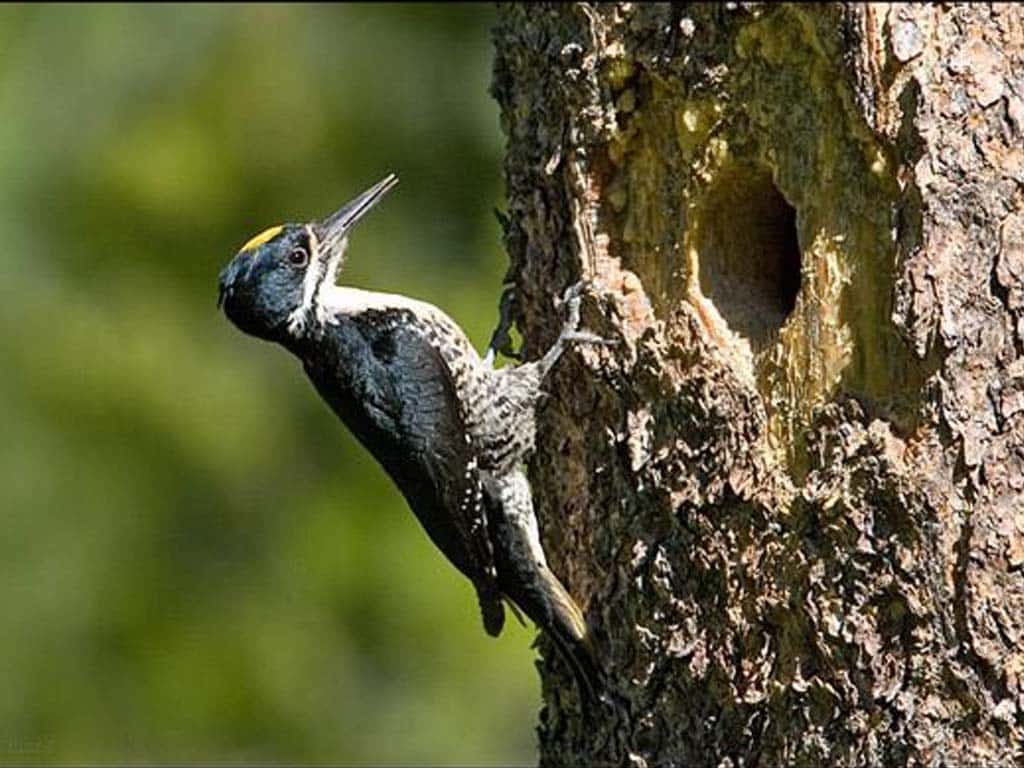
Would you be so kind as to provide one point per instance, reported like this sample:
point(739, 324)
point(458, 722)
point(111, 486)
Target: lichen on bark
point(791, 497)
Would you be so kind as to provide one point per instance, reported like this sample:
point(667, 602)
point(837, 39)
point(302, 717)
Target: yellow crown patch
point(265, 236)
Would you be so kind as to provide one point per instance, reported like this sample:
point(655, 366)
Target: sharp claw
point(573, 297)
point(574, 291)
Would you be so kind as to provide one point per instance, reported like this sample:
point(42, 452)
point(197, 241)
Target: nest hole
point(749, 253)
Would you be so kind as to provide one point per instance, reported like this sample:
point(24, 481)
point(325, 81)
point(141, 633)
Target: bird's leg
point(501, 341)
point(570, 330)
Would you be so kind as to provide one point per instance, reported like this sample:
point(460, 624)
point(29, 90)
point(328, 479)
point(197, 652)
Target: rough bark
point(791, 501)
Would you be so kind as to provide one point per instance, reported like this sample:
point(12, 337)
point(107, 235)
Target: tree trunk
point(790, 500)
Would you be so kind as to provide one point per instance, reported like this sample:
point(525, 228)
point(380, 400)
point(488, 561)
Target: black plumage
point(450, 430)
point(384, 376)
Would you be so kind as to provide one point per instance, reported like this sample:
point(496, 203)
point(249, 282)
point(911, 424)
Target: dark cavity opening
point(749, 253)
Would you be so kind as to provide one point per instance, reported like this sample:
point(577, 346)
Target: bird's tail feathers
point(571, 636)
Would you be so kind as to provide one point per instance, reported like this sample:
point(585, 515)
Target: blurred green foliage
point(197, 561)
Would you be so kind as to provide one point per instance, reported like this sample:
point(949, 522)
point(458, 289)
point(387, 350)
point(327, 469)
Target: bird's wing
point(419, 378)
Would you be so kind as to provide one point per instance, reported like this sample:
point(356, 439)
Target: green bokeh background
point(197, 561)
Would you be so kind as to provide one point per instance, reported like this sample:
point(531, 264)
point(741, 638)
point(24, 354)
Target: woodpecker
point(450, 430)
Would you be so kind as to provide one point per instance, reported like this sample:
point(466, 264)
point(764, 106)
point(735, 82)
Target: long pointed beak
point(338, 224)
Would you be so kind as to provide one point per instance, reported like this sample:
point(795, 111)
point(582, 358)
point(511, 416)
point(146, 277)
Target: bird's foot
point(573, 298)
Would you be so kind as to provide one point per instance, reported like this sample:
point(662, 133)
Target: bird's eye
point(298, 257)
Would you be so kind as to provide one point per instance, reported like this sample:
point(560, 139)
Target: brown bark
point(790, 501)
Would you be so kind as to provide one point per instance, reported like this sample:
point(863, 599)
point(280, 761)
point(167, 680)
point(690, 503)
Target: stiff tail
point(525, 579)
point(571, 637)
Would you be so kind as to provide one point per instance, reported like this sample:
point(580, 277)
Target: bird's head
point(272, 285)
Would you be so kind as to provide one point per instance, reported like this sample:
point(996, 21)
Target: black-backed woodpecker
point(447, 427)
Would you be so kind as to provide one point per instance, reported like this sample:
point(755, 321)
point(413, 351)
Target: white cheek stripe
point(311, 283)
